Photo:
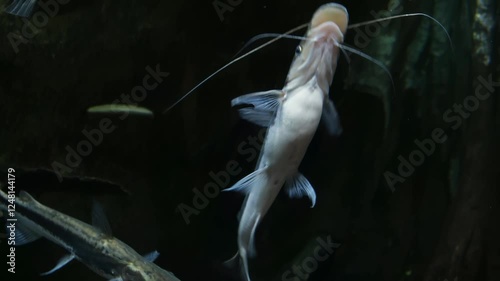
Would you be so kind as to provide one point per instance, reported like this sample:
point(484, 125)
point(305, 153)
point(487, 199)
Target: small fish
point(92, 245)
point(22, 8)
point(120, 109)
point(292, 116)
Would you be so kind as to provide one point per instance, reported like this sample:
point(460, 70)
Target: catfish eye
point(298, 50)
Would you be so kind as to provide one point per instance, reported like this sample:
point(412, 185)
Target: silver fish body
point(101, 252)
point(292, 116)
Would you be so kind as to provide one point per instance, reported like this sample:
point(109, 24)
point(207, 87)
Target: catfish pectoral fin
point(25, 235)
point(263, 106)
point(22, 8)
point(62, 262)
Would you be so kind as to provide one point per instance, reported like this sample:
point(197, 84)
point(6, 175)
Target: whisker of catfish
point(404, 16)
point(347, 58)
point(269, 35)
point(369, 58)
point(232, 62)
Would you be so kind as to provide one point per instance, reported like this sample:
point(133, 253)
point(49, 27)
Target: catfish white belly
point(295, 124)
point(285, 145)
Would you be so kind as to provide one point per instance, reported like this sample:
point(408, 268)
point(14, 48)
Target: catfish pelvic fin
point(247, 182)
point(298, 186)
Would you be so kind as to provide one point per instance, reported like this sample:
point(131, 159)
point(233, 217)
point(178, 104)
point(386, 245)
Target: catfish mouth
point(318, 54)
point(325, 32)
point(331, 12)
point(329, 22)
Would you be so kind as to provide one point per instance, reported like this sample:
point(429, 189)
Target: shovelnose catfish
point(92, 245)
point(292, 116)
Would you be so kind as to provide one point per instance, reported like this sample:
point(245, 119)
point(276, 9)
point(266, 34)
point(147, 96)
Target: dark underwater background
point(436, 220)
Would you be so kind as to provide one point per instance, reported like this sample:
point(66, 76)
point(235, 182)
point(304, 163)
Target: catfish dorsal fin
point(152, 256)
point(99, 218)
point(26, 196)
